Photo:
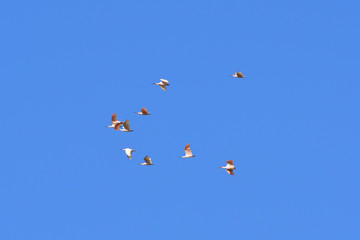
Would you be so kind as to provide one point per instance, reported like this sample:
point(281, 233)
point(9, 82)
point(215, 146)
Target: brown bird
point(147, 162)
point(188, 153)
point(229, 167)
point(238, 75)
point(163, 83)
point(114, 121)
point(143, 111)
point(126, 127)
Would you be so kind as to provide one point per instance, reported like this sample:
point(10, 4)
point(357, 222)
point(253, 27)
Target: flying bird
point(238, 75)
point(188, 153)
point(229, 167)
point(163, 83)
point(114, 121)
point(143, 111)
point(147, 162)
point(128, 152)
point(126, 127)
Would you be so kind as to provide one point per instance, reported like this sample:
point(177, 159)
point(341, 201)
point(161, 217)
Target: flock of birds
point(125, 127)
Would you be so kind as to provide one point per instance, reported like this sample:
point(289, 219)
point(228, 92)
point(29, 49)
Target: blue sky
point(291, 126)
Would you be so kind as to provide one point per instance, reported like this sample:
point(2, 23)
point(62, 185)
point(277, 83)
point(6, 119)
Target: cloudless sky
point(291, 126)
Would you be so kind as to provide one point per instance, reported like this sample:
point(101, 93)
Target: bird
point(143, 111)
point(163, 83)
point(128, 152)
point(238, 75)
point(147, 162)
point(229, 167)
point(114, 121)
point(126, 127)
point(188, 153)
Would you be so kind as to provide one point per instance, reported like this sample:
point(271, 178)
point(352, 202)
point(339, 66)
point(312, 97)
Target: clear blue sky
point(291, 126)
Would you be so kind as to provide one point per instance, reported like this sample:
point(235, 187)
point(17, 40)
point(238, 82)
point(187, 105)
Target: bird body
point(188, 153)
point(238, 75)
point(147, 162)
point(143, 111)
point(163, 83)
point(128, 152)
point(229, 167)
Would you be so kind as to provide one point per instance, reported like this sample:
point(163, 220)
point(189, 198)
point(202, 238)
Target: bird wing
point(187, 150)
point(117, 125)
point(164, 81)
point(230, 162)
point(163, 87)
point(128, 152)
point(230, 171)
point(144, 111)
point(147, 159)
point(239, 75)
point(187, 146)
point(127, 125)
point(113, 117)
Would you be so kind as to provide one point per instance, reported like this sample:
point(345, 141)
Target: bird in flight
point(163, 83)
point(188, 153)
point(128, 152)
point(143, 111)
point(114, 121)
point(147, 162)
point(229, 167)
point(126, 127)
point(238, 75)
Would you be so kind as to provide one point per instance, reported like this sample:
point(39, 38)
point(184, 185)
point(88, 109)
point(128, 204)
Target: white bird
point(238, 75)
point(229, 167)
point(163, 83)
point(147, 162)
point(126, 127)
point(143, 111)
point(128, 152)
point(188, 153)
point(114, 121)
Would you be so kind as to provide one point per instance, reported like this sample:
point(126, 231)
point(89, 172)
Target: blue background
point(291, 126)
